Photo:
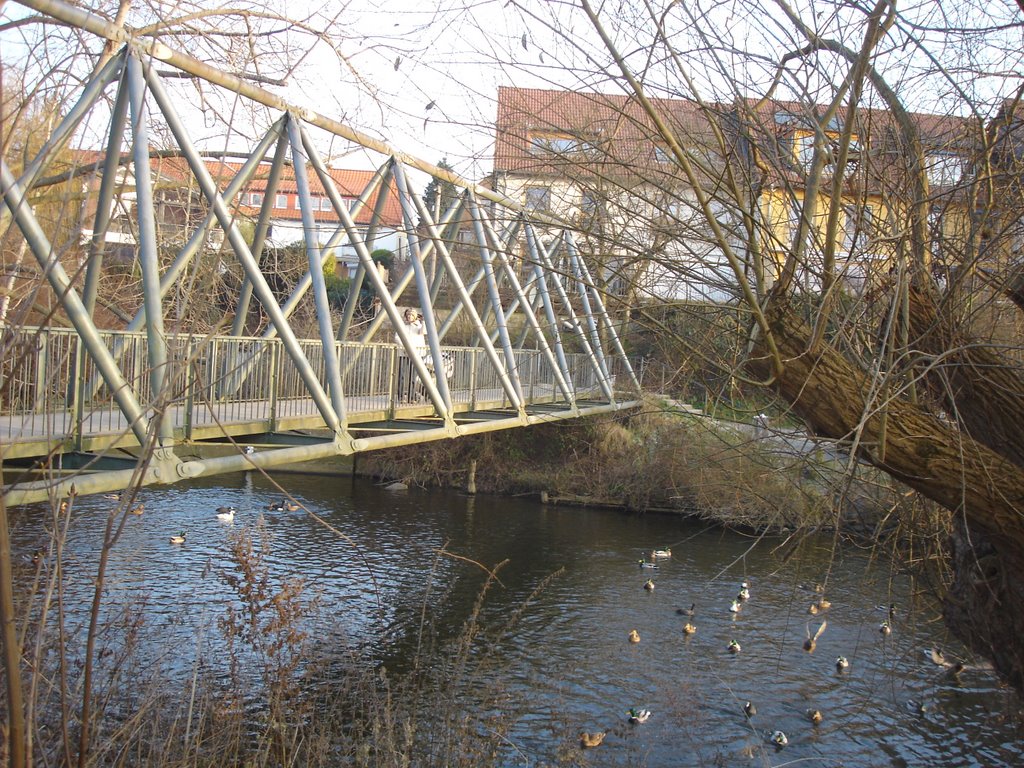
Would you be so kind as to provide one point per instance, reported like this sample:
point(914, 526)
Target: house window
point(944, 169)
point(280, 201)
point(661, 155)
point(804, 150)
point(936, 232)
point(857, 227)
point(558, 143)
point(253, 199)
point(538, 198)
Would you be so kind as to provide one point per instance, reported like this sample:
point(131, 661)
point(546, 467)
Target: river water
point(371, 556)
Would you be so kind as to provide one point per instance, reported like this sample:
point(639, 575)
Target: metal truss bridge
point(87, 409)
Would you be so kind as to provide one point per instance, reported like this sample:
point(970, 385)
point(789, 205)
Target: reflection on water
point(370, 555)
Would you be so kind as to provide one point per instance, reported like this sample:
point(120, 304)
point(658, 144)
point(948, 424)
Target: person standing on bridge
point(417, 333)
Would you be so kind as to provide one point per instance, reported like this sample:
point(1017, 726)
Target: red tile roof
point(615, 126)
point(174, 169)
point(624, 135)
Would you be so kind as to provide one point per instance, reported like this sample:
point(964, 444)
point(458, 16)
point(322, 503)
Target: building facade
point(654, 222)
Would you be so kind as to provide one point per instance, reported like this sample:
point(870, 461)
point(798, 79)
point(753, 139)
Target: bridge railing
point(208, 381)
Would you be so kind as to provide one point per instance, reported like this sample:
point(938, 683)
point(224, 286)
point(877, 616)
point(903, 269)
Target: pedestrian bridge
point(88, 408)
point(244, 402)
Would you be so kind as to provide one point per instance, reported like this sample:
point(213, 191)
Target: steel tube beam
point(394, 294)
point(422, 287)
point(148, 257)
point(198, 239)
point(570, 242)
point(340, 233)
point(549, 310)
point(492, 289)
point(316, 273)
point(241, 249)
point(51, 267)
point(259, 238)
point(472, 285)
point(564, 298)
point(384, 176)
point(582, 290)
point(531, 318)
point(389, 307)
point(108, 183)
point(466, 301)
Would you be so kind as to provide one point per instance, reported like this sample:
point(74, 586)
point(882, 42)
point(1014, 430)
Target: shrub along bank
point(661, 459)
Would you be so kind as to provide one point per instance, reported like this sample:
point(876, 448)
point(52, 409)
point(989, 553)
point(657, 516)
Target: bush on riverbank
point(661, 459)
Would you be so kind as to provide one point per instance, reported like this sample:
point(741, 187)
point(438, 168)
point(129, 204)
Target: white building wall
point(689, 267)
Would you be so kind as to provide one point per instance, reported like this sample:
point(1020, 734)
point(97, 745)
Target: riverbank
point(669, 459)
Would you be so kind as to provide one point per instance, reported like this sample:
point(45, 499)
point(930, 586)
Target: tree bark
point(984, 489)
point(979, 386)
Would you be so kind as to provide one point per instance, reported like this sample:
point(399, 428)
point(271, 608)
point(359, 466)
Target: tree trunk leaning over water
point(983, 488)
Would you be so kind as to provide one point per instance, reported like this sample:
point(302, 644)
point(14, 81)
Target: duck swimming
point(588, 740)
point(734, 647)
point(735, 607)
point(815, 716)
point(749, 709)
point(634, 636)
point(842, 663)
point(687, 611)
point(884, 628)
point(744, 593)
point(644, 564)
point(227, 514)
point(179, 539)
point(649, 585)
point(661, 553)
point(778, 738)
point(689, 629)
point(283, 506)
point(812, 642)
point(639, 715)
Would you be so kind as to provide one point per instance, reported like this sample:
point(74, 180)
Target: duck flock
point(226, 514)
point(818, 606)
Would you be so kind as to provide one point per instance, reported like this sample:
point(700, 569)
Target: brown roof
point(174, 169)
point(613, 128)
point(617, 131)
point(884, 158)
point(349, 184)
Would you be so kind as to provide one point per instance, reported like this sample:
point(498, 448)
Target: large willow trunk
point(929, 452)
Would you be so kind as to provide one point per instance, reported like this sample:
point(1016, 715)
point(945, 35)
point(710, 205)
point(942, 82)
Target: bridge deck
point(46, 432)
point(248, 391)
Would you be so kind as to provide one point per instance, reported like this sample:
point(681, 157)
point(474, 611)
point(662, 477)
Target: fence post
point(39, 401)
point(190, 387)
point(77, 395)
point(392, 394)
point(275, 377)
point(472, 379)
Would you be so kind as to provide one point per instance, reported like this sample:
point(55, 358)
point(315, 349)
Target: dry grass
point(655, 460)
point(274, 696)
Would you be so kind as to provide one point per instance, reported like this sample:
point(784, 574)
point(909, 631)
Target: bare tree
point(871, 236)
